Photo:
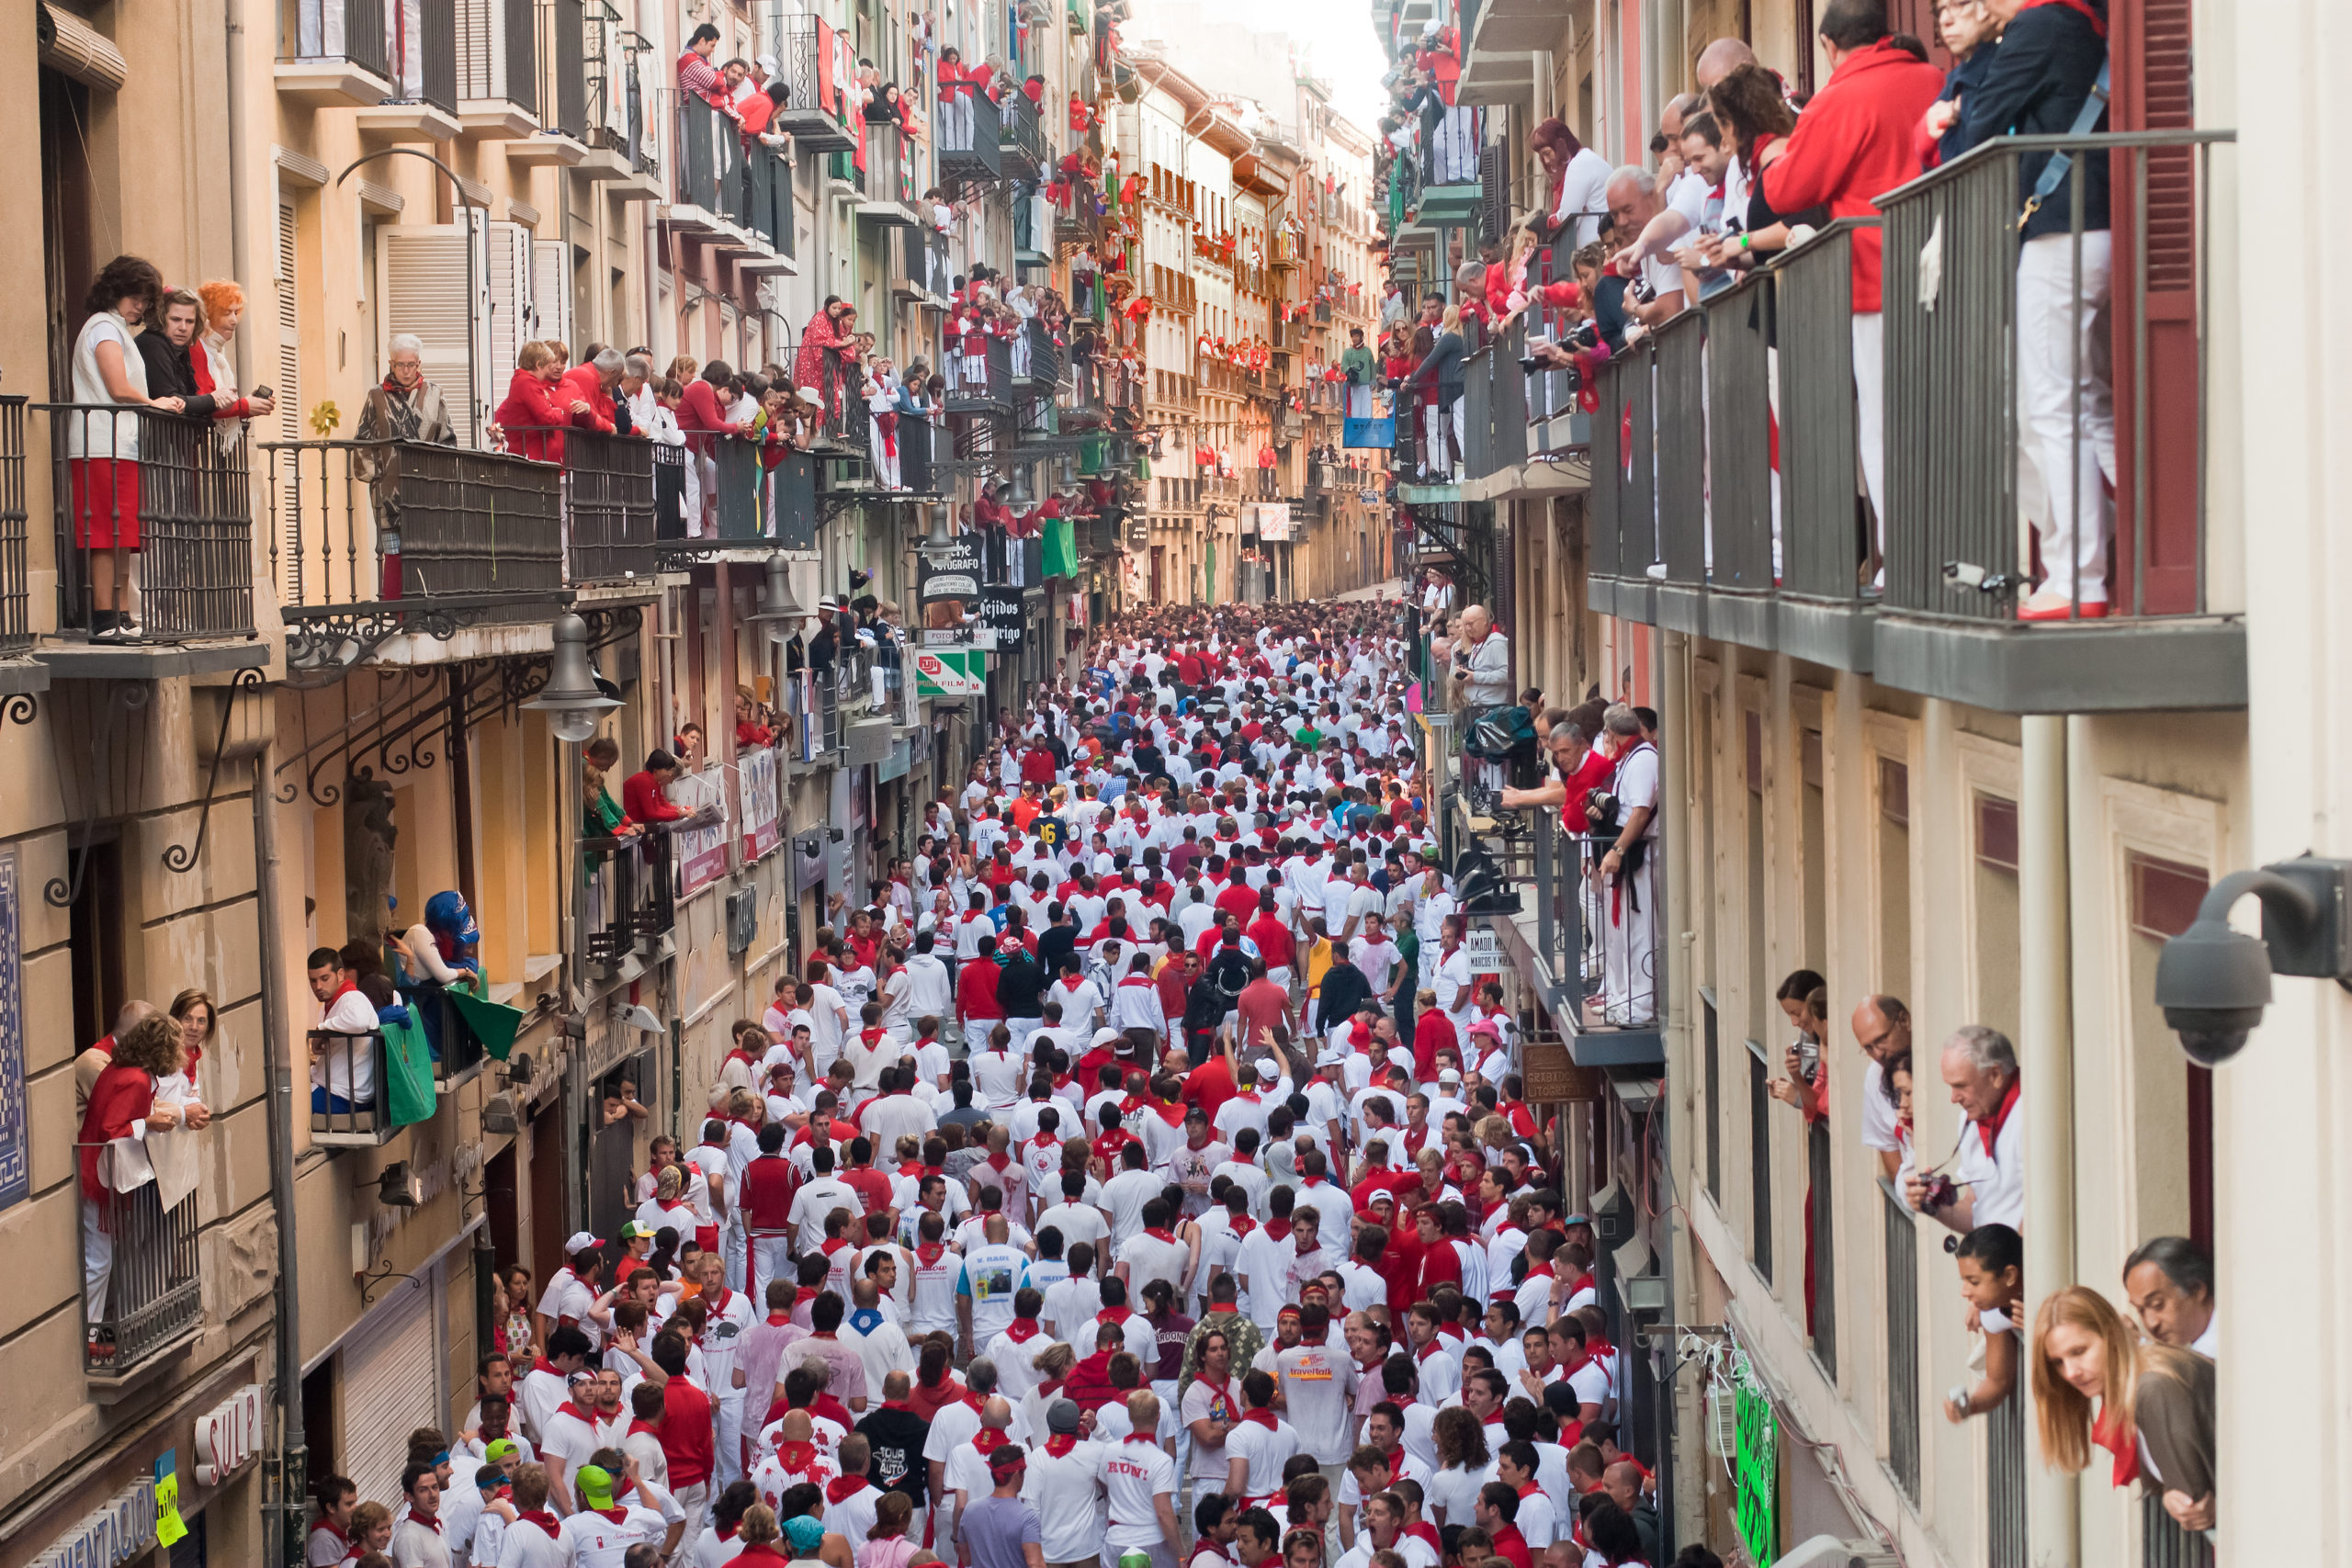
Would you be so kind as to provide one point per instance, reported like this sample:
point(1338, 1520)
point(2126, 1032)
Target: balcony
point(334, 54)
point(498, 73)
point(631, 897)
point(757, 505)
point(1022, 148)
point(192, 505)
point(1784, 557)
point(608, 514)
point(372, 540)
point(422, 63)
point(349, 1075)
point(563, 93)
point(980, 383)
point(924, 275)
point(817, 108)
point(888, 189)
point(1570, 934)
point(148, 1286)
point(970, 147)
point(743, 204)
point(18, 671)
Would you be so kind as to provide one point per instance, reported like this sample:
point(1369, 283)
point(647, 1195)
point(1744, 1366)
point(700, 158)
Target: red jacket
point(686, 1442)
point(976, 990)
point(580, 384)
point(530, 407)
point(642, 798)
point(1853, 143)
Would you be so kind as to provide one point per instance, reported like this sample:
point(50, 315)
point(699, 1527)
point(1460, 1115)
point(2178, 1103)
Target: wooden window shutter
point(420, 269)
point(551, 290)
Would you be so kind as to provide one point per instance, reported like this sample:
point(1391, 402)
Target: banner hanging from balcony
point(951, 672)
point(408, 1065)
point(701, 852)
point(761, 828)
point(495, 1024)
point(1062, 551)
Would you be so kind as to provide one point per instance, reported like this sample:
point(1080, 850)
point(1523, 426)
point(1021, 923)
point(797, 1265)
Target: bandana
point(1061, 1443)
point(991, 1439)
point(1021, 1330)
point(843, 1487)
point(1991, 1131)
point(544, 1520)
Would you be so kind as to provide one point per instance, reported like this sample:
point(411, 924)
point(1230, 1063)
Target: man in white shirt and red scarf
point(1980, 1068)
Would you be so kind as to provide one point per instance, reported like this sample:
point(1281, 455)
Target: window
point(1762, 1012)
point(2163, 896)
point(1999, 946)
point(1894, 877)
point(1814, 832)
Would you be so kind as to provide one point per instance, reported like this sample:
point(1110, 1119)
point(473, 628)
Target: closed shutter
point(390, 1387)
point(481, 49)
point(551, 290)
point(512, 319)
point(421, 271)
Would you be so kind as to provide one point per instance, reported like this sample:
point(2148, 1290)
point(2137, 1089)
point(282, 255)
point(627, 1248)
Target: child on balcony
point(1992, 1282)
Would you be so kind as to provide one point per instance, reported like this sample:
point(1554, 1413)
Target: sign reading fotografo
point(1756, 1473)
point(701, 852)
point(755, 771)
point(955, 575)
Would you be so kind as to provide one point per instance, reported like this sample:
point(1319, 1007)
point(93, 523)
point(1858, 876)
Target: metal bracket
point(321, 650)
point(177, 858)
point(59, 893)
point(383, 1274)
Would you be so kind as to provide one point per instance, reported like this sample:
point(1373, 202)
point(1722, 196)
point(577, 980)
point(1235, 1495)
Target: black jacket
point(897, 1436)
point(1344, 993)
point(1021, 988)
point(171, 375)
point(2047, 63)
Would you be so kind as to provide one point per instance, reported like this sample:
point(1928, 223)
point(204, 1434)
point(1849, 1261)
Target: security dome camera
point(2213, 982)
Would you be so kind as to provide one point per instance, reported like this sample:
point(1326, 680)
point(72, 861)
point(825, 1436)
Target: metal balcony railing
point(348, 1076)
point(351, 31)
point(424, 62)
point(631, 893)
point(497, 57)
point(16, 529)
point(367, 522)
point(889, 164)
point(608, 514)
point(923, 256)
point(564, 67)
point(1956, 411)
point(143, 1288)
point(757, 498)
point(2005, 1462)
point(1902, 1239)
point(1589, 936)
point(1023, 151)
point(969, 146)
point(177, 491)
point(769, 207)
point(707, 168)
point(2163, 1544)
point(917, 471)
point(1036, 358)
point(981, 380)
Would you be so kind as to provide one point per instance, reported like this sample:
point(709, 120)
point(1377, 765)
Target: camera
point(1938, 1191)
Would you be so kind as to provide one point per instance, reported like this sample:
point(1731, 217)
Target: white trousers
point(98, 1264)
point(732, 1247)
point(1023, 1029)
point(1870, 412)
point(727, 1466)
point(1436, 455)
point(2062, 362)
point(695, 1503)
point(771, 1259)
point(1629, 948)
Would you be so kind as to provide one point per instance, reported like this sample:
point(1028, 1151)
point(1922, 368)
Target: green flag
point(1061, 550)
point(408, 1073)
point(493, 1024)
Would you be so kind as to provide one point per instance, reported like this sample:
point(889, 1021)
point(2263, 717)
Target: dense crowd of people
point(1143, 1170)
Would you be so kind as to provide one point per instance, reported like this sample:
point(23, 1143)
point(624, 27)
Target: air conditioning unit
point(742, 921)
point(1722, 1420)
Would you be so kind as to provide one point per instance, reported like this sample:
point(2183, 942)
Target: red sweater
point(976, 990)
point(580, 384)
point(642, 798)
point(1851, 144)
point(686, 1440)
point(531, 402)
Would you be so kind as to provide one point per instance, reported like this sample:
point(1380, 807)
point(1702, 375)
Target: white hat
point(580, 1241)
point(1104, 1036)
point(1330, 1056)
point(767, 63)
point(1268, 1071)
point(1449, 1075)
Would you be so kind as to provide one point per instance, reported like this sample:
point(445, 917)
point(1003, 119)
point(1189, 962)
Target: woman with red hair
point(215, 362)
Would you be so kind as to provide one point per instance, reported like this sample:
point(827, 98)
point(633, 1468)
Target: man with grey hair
point(1481, 675)
point(1645, 228)
point(587, 389)
point(1686, 188)
point(1980, 1068)
point(637, 392)
point(1628, 875)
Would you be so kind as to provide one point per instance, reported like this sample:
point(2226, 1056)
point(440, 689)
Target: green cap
point(595, 1487)
point(497, 1450)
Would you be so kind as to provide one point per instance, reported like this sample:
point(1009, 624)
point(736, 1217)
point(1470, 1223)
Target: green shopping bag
point(408, 1073)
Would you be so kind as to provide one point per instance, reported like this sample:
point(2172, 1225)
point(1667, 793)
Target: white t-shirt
point(1204, 1401)
point(1267, 1450)
point(991, 1273)
point(1454, 1493)
point(1148, 1258)
point(1124, 1195)
point(1995, 1180)
point(1318, 1386)
point(1134, 1473)
point(1882, 1127)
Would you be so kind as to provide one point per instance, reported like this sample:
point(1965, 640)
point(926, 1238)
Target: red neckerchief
point(544, 1520)
point(1263, 1418)
point(1061, 1443)
point(616, 1514)
point(795, 1457)
point(1277, 1230)
point(2123, 1444)
point(927, 1253)
point(870, 1036)
point(1300, 1248)
point(1118, 1315)
point(898, 1404)
point(2099, 24)
point(1395, 1458)
point(433, 1521)
point(1424, 1530)
point(987, 1440)
point(1240, 1225)
point(1581, 1283)
point(1159, 1233)
point(541, 1365)
point(1144, 1438)
point(1991, 1131)
point(842, 1488)
point(635, 1427)
point(1021, 1330)
point(334, 1529)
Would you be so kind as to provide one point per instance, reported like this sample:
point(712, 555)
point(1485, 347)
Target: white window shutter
point(390, 1387)
point(287, 381)
point(511, 315)
point(551, 290)
point(422, 270)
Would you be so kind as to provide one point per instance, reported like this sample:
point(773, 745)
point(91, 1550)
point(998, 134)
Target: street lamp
point(938, 544)
point(1016, 487)
point(784, 615)
point(572, 697)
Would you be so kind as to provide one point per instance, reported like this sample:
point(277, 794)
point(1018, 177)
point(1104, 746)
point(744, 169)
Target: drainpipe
point(1673, 945)
point(282, 1517)
point(2046, 1058)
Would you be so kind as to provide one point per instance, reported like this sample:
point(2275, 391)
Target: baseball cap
point(1268, 1071)
point(1104, 1036)
point(1399, 1057)
point(493, 1452)
point(632, 1230)
point(1330, 1057)
point(580, 1241)
point(767, 63)
point(596, 1485)
point(1063, 1418)
point(1449, 1075)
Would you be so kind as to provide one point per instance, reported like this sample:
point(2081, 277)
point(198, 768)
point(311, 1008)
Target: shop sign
point(1484, 947)
point(228, 1437)
point(113, 1534)
point(1553, 1077)
point(951, 672)
point(957, 574)
point(756, 770)
point(1000, 611)
point(1756, 1466)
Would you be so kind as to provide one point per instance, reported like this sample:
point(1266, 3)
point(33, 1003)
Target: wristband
point(1747, 242)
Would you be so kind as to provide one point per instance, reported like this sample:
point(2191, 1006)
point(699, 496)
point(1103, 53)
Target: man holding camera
point(1986, 1185)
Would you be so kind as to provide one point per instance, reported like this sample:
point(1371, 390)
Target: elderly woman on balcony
point(102, 448)
point(405, 406)
point(112, 1156)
